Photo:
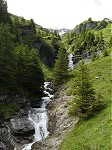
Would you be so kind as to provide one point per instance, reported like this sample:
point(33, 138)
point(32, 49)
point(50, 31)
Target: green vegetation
point(60, 67)
point(84, 104)
point(94, 133)
point(27, 55)
point(90, 38)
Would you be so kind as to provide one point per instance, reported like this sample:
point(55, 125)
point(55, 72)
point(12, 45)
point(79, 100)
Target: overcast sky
point(61, 13)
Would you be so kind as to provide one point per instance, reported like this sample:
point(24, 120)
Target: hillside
point(37, 90)
point(95, 132)
point(88, 38)
point(27, 51)
point(65, 132)
point(35, 36)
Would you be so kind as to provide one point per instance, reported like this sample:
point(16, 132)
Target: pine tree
point(34, 75)
point(85, 103)
point(7, 60)
point(60, 67)
point(29, 74)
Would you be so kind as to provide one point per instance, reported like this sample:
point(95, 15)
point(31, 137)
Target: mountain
point(88, 38)
point(89, 24)
point(27, 57)
point(63, 31)
point(60, 31)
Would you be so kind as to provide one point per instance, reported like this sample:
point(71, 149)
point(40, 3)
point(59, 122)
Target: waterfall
point(39, 118)
point(70, 64)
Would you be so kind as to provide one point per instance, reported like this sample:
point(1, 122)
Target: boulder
point(22, 127)
point(6, 140)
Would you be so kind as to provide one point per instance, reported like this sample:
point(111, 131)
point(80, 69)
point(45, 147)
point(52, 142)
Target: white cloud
point(60, 13)
point(98, 2)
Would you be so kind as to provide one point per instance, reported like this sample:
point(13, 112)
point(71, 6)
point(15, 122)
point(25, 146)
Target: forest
point(30, 55)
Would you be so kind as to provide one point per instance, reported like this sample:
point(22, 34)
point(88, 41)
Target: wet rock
point(59, 122)
point(2, 146)
point(6, 140)
point(22, 127)
point(36, 104)
point(52, 122)
point(36, 146)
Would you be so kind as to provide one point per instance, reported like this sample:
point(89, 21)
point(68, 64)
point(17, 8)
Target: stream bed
point(39, 119)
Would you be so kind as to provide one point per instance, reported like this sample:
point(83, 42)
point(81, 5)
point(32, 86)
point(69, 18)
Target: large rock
point(6, 140)
point(52, 118)
point(22, 127)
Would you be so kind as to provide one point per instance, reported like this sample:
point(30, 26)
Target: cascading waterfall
point(39, 118)
point(70, 63)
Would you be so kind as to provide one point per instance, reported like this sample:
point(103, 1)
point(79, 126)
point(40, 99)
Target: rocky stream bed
point(40, 128)
point(59, 122)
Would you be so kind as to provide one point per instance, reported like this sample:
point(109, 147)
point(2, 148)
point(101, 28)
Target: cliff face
point(89, 25)
point(85, 26)
point(59, 122)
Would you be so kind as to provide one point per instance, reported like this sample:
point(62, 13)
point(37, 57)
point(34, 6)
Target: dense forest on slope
point(27, 52)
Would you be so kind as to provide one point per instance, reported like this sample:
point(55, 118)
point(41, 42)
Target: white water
point(39, 118)
point(70, 64)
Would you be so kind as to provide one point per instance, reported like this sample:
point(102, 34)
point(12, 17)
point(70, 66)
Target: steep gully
point(39, 117)
point(15, 133)
point(57, 121)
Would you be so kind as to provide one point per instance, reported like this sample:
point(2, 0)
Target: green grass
point(106, 32)
point(95, 133)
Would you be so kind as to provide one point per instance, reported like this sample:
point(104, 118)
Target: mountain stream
point(39, 118)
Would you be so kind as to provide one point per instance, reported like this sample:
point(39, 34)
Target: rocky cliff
point(87, 25)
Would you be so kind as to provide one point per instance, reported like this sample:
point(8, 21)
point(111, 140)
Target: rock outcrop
point(6, 140)
point(85, 26)
point(59, 122)
point(22, 127)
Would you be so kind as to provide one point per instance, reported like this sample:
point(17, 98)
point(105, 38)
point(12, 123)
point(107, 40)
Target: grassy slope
point(106, 32)
point(95, 133)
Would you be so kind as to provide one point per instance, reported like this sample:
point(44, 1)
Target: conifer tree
point(29, 74)
point(7, 59)
point(60, 67)
point(85, 103)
